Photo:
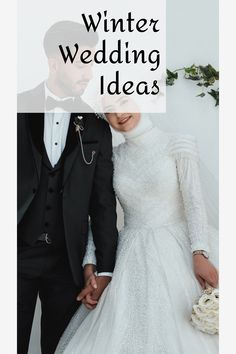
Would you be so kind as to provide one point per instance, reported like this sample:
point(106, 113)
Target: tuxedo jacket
point(87, 189)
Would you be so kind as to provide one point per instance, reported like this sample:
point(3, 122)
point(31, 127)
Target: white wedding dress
point(146, 308)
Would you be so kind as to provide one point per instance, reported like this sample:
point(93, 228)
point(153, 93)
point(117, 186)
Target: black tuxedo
point(82, 191)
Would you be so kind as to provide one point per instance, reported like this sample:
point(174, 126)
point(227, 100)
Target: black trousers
point(44, 271)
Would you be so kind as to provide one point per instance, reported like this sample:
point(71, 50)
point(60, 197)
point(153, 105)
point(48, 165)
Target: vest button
point(48, 207)
point(34, 190)
point(50, 190)
point(46, 224)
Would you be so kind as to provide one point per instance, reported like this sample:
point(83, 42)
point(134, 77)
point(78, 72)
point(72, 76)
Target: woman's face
point(122, 122)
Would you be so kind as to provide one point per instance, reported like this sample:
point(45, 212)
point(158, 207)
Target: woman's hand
point(205, 272)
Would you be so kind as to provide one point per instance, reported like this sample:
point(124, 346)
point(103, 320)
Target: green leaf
point(215, 95)
point(208, 72)
point(192, 70)
point(201, 95)
point(171, 74)
point(194, 78)
point(170, 82)
point(171, 77)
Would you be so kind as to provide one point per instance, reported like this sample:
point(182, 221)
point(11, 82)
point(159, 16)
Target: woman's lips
point(124, 120)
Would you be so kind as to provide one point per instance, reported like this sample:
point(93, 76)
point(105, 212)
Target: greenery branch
point(205, 76)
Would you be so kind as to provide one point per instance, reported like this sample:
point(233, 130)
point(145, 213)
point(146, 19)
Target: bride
point(162, 258)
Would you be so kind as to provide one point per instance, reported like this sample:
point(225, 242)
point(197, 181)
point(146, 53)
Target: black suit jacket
point(87, 189)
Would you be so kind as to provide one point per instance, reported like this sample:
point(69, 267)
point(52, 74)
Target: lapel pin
point(78, 122)
point(79, 126)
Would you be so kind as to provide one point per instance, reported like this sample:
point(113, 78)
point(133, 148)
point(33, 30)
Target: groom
point(61, 183)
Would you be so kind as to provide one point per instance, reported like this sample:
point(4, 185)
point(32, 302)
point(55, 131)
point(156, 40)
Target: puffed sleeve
point(185, 152)
point(90, 257)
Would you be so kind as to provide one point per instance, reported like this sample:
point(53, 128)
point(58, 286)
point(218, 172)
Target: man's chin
point(80, 90)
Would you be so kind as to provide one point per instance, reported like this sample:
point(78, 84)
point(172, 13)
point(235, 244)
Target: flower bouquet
point(205, 312)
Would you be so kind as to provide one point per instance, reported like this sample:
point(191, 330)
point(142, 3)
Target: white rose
point(205, 312)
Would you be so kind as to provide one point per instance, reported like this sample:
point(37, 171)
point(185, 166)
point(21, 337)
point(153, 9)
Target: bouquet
point(205, 312)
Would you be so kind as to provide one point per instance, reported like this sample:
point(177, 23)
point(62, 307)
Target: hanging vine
point(205, 76)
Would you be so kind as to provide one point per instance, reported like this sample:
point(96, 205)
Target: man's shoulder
point(31, 100)
point(97, 122)
point(36, 91)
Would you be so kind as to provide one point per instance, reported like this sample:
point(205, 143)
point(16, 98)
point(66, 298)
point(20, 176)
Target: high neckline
point(144, 125)
point(144, 134)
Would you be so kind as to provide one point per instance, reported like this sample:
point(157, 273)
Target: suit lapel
point(36, 124)
point(72, 147)
point(72, 139)
point(36, 129)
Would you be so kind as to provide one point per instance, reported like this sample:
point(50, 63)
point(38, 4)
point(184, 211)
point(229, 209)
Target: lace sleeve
point(186, 155)
point(90, 257)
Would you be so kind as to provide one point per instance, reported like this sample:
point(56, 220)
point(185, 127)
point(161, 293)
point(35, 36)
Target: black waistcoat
point(45, 212)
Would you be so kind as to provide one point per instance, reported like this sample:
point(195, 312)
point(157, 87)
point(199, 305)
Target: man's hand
point(90, 283)
point(89, 275)
point(205, 272)
point(90, 296)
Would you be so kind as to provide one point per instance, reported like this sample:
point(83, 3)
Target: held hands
point(90, 286)
point(205, 272)
point(94, 287)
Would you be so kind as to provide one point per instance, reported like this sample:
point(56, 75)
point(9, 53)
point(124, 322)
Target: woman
point(162, 258)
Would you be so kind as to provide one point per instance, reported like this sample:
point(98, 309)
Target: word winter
point(123, 25)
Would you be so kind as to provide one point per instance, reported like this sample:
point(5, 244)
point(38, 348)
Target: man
point(63, 178)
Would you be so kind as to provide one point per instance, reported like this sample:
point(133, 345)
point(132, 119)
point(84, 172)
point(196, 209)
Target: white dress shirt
point(56, 124)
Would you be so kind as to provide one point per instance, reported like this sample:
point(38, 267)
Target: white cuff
point(105, 274)
point(88, 262)
point(200, 245)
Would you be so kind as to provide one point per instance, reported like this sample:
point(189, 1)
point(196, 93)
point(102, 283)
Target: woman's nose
point(120, 114)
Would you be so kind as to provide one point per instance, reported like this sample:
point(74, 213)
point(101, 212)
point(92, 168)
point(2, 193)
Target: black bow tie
point(68, 105)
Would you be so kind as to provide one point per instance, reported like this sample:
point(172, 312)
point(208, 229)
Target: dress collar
point(144, 134)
